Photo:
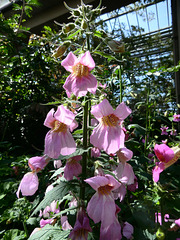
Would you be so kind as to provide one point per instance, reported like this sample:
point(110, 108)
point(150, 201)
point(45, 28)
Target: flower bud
point(68, 27)
point(61, 49)
point(160, 234)
point(84, 25)
point(116, 46)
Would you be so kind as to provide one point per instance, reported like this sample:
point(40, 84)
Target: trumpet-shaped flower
point(108, 135)
point(167, 156)
point(125, 174)
point(80, 81)
point(59, 140)
point(72, 168)
point(113, 231)
point(81, 227)
point(101, 206)
point(28, 185)
point(38, 163)
point(128, 230)
point(124, 154)
point(176, 117)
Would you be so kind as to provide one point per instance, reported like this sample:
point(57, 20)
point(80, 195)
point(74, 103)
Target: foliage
point(31, 83)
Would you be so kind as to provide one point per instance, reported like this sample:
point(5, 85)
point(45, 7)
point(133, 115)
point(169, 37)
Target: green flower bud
point(68, 27)
point(116, 46)
point(61, 49)
point(160, 234)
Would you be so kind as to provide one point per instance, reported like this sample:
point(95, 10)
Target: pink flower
point(163, 152)
point(132, 187)
point(72, 168)
point(157, 170)
point(59, 139)
point(125, 174)
point(176, 117)
point(173, 132)
point(53, 208)
point(95, 152)
point(128, 230)
point(103, 86)
point(163, 129)
point(81, 227)
point(80, 81)
point(38, 163)
point(124, 154)
point(101, 206)
point(113, 231)
point(45, 222)
point(65, 224)
point(108, 135)
point(57, 163)
point(158, 218)
point(28, 185)
point(177, 222)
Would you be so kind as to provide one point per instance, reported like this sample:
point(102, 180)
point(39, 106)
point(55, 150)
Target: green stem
point(25, 229)
point(120, 83)
point(84, 159)
point(147, 119)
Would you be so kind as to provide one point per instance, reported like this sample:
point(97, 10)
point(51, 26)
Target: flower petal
point(97, 181)
point(69, 62)
point(28, 185)
point(122, 111)
point(102, 109)
point(87, 60)
point(49, 121)
point(64, 115)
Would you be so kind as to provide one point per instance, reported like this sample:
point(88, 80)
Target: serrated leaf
point(56, 193)
point(50, 232)
point(57, 172)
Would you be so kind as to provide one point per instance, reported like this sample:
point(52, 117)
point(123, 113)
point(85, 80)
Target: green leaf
point(71, 36)
point(56, 193)
point(138, 128)
point(78, 152)
point(108, 56)
point(50, 232)
point(57, 172)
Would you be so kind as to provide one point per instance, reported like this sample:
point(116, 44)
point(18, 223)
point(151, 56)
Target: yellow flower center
point(59, 127)
point(110, 120)
point(105, 190)
point(80, 70)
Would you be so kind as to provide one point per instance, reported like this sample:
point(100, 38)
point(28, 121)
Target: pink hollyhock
point(164, 129)
point(158, 218)
point(38, 163)
point(103, 86)
point(81, 227)
point(59, 139)
point(128, 230)
point(177, 222)
point(80, 81)
point(113, 231)
point(101, 206)
point(157, 170)
point(72, 168)
point(44, 222)
point(163, 152)
point(95, 152)
point(124, 154)
point(52, 209)
point(28, 185)
point(173, 132)
point(57, 163)
point(108, 135)
point(125, 174)
point(132, 187)
point(176, 117)
point(65, 224)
